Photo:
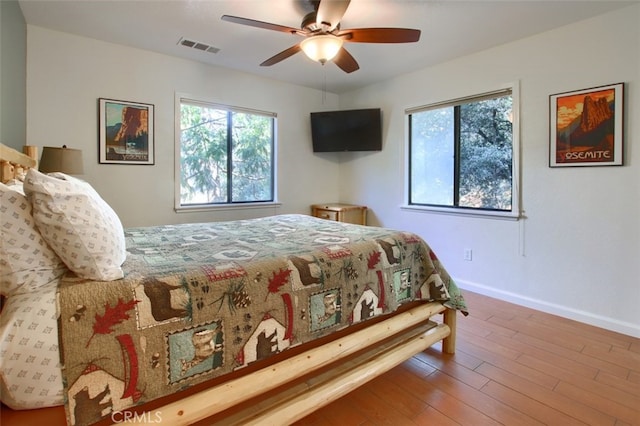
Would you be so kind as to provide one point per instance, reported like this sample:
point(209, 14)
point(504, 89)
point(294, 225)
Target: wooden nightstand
point(349, 213)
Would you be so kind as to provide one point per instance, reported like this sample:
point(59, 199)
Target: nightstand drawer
point(340, 212)
point(325, 214)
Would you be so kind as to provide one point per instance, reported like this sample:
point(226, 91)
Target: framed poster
point(586, 127)
point(125, 132)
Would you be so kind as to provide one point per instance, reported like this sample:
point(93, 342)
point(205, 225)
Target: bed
point(180, 323)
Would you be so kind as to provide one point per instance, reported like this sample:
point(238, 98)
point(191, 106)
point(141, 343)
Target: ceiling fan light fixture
point(321, 48)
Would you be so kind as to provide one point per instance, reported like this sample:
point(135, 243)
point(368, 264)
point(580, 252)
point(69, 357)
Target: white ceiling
point(450, 28)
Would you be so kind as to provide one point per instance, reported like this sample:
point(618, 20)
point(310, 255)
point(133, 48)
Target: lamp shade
point(321, 48)
point(65, 160)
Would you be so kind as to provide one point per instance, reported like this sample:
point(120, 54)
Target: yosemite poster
point(586, 127)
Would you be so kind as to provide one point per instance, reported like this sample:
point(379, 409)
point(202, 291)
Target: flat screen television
point(347, 130)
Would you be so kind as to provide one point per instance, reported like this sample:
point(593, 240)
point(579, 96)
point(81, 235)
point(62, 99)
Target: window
point(462, 154)
point(226, 155)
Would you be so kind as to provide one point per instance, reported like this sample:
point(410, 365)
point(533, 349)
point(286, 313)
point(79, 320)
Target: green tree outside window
point(226, 155)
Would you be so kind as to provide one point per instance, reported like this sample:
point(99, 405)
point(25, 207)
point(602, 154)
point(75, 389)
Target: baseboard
point(552, 308)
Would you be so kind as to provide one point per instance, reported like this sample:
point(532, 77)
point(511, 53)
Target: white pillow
point(26, 260)
point(78, 224)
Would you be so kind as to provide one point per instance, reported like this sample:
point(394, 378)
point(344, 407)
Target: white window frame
point(515, 212)
point(179, 97)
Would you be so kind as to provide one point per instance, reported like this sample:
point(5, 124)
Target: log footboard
point(312, 379)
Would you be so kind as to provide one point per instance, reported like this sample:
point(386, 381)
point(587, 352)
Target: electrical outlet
point(468, 254)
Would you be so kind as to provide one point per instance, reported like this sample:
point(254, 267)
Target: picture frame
point(125, 132)
point(586, 127)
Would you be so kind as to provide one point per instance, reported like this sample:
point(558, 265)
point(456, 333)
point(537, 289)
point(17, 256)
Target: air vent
point(198, 45)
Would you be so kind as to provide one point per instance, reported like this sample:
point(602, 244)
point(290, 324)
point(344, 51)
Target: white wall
point(13, 42)
point(66, 75)
point(577, 252)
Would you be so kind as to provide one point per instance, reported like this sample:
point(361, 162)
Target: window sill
point(486, 214)
point(219, 207)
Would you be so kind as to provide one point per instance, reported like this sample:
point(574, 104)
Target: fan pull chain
point(324, 84)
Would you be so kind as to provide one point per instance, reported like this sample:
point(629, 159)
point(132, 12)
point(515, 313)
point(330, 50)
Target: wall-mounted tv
point(347, 130)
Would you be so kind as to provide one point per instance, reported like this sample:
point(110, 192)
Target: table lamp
point(64, 160)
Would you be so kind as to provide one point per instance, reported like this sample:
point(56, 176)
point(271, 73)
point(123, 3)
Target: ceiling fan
point(324, 38)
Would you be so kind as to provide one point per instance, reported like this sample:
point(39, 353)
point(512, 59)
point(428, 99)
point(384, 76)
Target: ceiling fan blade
point(281, 56)
point(260, 24)
point(330, 12)
point(345, 61)
point(380, 35)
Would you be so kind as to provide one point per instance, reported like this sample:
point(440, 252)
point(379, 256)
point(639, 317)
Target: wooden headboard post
point(14, 163)
point(31, 151)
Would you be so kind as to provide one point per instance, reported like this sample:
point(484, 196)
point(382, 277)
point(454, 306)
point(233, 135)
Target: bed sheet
point(30, 375)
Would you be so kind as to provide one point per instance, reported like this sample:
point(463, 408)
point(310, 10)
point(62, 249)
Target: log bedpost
point(449, 342)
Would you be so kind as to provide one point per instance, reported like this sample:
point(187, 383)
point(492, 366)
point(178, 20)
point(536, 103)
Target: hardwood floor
point(513, 366)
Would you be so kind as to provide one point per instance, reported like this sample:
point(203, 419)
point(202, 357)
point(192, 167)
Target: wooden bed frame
point(14, 163)
point(293, 387)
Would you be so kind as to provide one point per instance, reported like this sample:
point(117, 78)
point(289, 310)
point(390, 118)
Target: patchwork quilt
point(201, 300)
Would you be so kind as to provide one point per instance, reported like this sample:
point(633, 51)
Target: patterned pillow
point(26, 260)
point(30, 375)
point(78, 224)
